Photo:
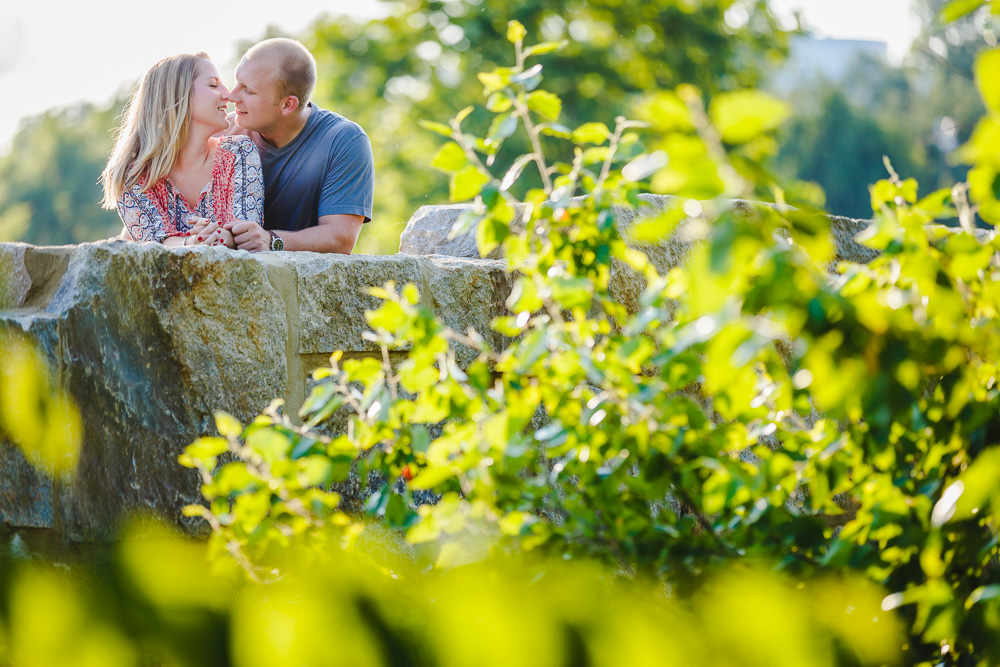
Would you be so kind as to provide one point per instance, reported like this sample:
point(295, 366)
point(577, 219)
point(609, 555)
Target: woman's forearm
point(175, 241)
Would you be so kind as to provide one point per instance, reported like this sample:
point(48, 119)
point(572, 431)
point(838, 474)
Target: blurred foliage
point(158, 598)
point(49, 193)
point(421, 62)
point(150, 600)
point(36, 415)
point(917, 114)
point(767, 403)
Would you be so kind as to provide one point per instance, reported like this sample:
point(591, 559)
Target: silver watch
point(276, 242)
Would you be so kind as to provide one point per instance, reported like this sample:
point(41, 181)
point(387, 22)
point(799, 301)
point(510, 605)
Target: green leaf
point(545, 104)
point(515, 32)
point(207, 448)
point(428, 478)
point(515, 171)
point(666, 112)
point(936, 204)
point(397, 514)
point(956, 9)
point(987, 70)
point(502, 127)
point(499, 102)
point(440, 128)
point(544, 47)
point(596, 154)
point(233, 477)
point(317, 470)
point(490, 233)
point(967, 496)
point(524, 296)
point(318, 397)
point(555, 130)
point(463, 114)
point(492, 81)
point(269, 444)
point(227, 425)
point(304, 447)
point(591, 133)
point(196, 510)
point(744, 115)
point(390, 317)
point(466, 184)
point(988, 592)
point(450, 158)
point(527, 75)
point(644, 166)
point(572, 292)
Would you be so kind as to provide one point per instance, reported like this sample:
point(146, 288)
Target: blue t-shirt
point(328, 168)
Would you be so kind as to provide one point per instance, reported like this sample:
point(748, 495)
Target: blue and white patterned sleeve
point(141, 217)
point(248, 186)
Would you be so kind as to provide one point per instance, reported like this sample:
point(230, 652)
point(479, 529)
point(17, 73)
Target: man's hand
point(249, 235)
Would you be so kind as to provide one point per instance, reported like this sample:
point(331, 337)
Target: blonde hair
point(296, 67)
point(157, 117)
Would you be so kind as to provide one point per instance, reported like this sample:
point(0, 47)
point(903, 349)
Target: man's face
point(258, 107)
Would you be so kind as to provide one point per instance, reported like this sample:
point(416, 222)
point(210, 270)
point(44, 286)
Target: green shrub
point(759, 407)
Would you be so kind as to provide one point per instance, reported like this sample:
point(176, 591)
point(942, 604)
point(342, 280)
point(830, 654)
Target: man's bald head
point(294, 67)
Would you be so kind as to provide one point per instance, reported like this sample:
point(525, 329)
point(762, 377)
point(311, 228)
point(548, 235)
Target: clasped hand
point(249, 235)
point(241, 234)
point(206, 232)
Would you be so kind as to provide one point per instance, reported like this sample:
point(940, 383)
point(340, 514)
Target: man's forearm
point(334, 233)
point(319, 239)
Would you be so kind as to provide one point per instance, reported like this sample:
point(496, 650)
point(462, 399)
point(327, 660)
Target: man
point(318, 168)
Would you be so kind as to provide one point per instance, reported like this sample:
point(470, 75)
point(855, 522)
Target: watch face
point(277, 243)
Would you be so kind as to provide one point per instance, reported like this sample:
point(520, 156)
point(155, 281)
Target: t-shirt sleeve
point(248, 196)
point(349, 183)
point(141, 218)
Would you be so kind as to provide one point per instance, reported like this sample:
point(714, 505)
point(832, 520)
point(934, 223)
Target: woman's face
point(209, 98)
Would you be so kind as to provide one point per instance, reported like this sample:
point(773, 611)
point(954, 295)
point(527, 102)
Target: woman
point(171, 180)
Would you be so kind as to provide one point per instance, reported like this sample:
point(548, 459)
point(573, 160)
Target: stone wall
point(151, 340)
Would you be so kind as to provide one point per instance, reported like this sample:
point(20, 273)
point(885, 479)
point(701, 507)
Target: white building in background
point(810, 59)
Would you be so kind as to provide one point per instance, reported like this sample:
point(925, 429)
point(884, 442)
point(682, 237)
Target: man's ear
point(290, 104)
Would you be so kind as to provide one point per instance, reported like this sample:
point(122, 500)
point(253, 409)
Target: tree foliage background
point(421, 58)
point(419, 61)
point(917, 114)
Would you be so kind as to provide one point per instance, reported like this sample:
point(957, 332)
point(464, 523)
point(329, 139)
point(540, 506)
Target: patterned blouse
point(236, 192)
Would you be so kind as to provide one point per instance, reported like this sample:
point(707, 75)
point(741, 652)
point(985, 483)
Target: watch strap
point(276, 242)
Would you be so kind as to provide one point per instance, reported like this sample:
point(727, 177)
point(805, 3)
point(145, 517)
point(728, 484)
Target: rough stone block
point(150, 341)
point(14, 279)
point(333, 297)
point(25, 493)
point(428, 230)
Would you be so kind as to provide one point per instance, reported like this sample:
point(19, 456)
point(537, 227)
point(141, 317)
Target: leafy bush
point(758, 407)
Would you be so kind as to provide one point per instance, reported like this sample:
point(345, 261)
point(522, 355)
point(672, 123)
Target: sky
point(889, 21)
point(94, 48)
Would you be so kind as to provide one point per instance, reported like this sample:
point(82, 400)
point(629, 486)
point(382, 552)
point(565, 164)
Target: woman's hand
point(205, 232)
point(227, 238)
